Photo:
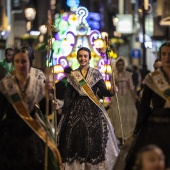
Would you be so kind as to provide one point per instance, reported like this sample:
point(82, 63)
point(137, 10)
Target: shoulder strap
point(158, 83)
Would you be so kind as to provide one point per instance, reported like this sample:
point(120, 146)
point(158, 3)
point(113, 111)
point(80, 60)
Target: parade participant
point(126, 101)
point(157, 65)
point(33, 71)
point(150, 157)
point(23, 138)
point(7, 62)
point(153, 123)
point(86, 136)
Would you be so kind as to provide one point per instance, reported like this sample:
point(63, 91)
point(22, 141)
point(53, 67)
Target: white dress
point(127, 106)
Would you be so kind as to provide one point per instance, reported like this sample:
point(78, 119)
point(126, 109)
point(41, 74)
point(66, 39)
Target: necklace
point(23, 90)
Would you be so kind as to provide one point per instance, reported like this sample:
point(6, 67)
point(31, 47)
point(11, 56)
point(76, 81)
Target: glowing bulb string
point(49, 46)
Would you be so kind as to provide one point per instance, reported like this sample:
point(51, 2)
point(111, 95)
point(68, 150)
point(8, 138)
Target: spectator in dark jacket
point(60, 90)
point(144, 71)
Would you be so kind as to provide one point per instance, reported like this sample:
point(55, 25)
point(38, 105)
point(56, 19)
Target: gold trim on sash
point(158, 83)
point(21, 110)
point(86, 89)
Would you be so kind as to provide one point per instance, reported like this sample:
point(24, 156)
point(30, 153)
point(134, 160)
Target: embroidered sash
point(158, 83)
point(21, 110)
point(86, 89)
point(89, 92)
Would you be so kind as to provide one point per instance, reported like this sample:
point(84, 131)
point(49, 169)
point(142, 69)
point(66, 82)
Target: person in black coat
point(60, 91)
point(153, 124)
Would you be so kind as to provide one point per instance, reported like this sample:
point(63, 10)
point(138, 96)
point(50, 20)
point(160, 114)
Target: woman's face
point(83, 58)
point(165, 56)
point(9, 56)
point(153, 160)
point(120, 65)
point(21, 63)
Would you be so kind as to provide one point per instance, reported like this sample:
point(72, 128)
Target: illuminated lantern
point(108, 69)
point(58, 69)
point(108, 84)
point(30, 15)
point(43, 30)
point(103, 69)
point(98, 43)
point(104, 35)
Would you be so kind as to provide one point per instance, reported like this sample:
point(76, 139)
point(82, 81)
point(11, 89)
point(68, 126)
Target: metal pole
point(143, 44)
point(10, 16)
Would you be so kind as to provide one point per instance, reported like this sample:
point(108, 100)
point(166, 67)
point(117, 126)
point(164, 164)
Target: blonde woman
point(126, 99)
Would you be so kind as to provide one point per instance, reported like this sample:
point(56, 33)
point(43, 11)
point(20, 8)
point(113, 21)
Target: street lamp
point(30, 15)
point(100, 45)
point(104, 35)
point(43, 31)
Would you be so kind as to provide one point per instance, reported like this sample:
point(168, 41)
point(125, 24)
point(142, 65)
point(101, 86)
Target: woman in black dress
point(86, 136)
point(153, 125)
point(22, 144)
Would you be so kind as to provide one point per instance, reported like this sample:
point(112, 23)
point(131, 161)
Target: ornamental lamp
point(30, 15)
point(108, 84)
point(43, 31)
point(58, 69)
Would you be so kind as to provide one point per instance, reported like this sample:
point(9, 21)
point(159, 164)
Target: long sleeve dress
point(20, 147)
point(127, 106)
point(86, 136)
point(153, 125)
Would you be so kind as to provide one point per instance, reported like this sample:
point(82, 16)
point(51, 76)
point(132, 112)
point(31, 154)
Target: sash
point(89, 92)
point(21, 110)
point(158, 83)
point(86, 89)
